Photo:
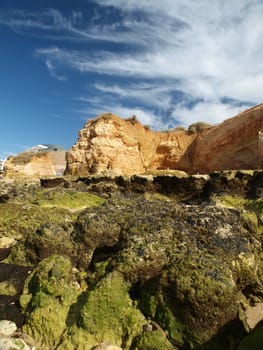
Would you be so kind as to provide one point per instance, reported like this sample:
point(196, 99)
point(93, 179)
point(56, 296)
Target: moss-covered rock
point(50, 238)
point(153, 340)
point(107, 315)
point(151, 272)
point(21, 220)
point(49, 293)
point(66, 198)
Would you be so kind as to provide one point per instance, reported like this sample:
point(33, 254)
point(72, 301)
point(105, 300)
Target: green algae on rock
point(49, 292)
point(139, 266)
point(108, 313)
point(153, 340)
point(67, 199)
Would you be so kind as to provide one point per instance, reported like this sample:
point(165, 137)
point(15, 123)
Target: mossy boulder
point(107, 315)
point(49, 293)
point(139, 271)
point(48, 239)
point(186, 261)
point(153, 340)
point(21, 222)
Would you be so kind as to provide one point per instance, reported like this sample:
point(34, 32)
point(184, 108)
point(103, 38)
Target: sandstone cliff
point(109, 144)
point(234, 144)
point(35, 165)
point(112, 145)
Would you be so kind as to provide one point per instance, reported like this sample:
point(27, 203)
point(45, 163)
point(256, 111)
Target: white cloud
point(20, 20)
point(145, 93)
point(52, 71)
point(210, 112)
point(216, 53)
point(208, 50)
point(146, 117)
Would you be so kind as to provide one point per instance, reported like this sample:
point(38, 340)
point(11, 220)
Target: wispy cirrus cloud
point(201, 59)
point(53, 72)
point(24, 20)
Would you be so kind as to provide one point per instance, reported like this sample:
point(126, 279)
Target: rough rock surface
point(234, 144)
point(115, 146)
point(35, 165)
point(10, 339)
point(7, 328)
point(111, 145)
point(159, 262)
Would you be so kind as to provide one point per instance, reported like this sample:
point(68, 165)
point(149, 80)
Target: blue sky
point(168, 62)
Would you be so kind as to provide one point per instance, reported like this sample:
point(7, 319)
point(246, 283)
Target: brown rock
point(111, 145)
point(234, 144)
point(254, 315)
point(115, 146)
point(35, 165)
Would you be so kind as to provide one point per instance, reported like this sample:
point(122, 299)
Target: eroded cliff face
point(115, 146)
point(112, 145)
point(234, 144)
point(35, 165)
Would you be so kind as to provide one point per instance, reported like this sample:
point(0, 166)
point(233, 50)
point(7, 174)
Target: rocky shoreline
point(156, 261)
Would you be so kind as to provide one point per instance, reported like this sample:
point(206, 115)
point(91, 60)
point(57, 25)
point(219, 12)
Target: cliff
point(35, 165)
point(234, 144)
point(109, 144)
point(112, 145)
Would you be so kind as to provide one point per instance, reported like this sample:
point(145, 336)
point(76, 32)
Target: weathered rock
point(174, 269)
point(7, 242)
point(49, 294)
point(111, 145)
point(35, 165)
point(7, 328)
point(254, 315)
point(106, 346)
point(9, 339)
point(234, 144)
point(13, 344)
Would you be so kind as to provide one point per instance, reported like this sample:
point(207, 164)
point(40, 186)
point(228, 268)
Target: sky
point(169, 62)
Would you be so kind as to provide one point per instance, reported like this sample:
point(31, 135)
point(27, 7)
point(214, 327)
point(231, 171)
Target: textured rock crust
point(160, 262)
point(109, 144)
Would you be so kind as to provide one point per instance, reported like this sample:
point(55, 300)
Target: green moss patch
point(252, 209)
point(48, 296)
point(154, 340)
point(20, 220)
point(109, 314)
point(71, 200)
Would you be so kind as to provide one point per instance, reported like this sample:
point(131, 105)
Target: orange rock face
point(111, 145)
point(35, 165)
point(234, 144)
point(115, 146)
